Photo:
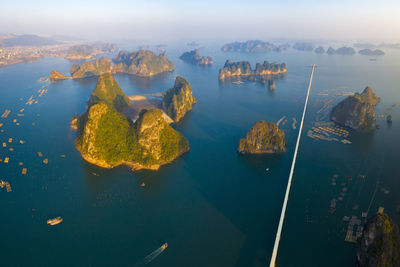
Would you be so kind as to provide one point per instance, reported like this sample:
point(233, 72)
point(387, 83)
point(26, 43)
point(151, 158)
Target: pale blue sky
point(205, 19)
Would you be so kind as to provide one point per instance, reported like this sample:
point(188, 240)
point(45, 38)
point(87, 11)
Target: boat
point(54, 221)
point(164, 246)
point(142, 184)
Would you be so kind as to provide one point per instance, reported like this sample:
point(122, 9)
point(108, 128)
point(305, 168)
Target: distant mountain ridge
point(7, 40)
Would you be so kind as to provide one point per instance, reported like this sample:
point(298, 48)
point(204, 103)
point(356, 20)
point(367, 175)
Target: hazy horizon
point(157, 20)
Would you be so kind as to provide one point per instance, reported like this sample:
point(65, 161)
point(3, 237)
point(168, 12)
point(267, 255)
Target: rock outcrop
point(243, 69)
point(178, 100)
point(195, 58)
point(107, 138)
point(357, 111)
point(379, 244)
point(56, 76)
point(263, 138)
point(142, 63)
point(91, 68)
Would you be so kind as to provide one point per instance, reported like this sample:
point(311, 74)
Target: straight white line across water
point(285, 201)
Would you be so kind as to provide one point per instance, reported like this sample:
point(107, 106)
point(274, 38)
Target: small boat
point(142, 184)
point(267, 169)
point(164, 246)
point(54, 221)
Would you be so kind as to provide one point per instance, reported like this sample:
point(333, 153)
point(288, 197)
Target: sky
point(157, 20)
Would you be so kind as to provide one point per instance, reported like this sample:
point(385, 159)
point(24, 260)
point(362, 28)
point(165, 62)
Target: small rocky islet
point(56, 76)
point(108, 138)
point(357, 111)
point(194, 57)
point(242, 69)
point(263, 138)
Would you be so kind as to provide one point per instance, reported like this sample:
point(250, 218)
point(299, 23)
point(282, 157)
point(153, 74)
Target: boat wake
point(149, 258)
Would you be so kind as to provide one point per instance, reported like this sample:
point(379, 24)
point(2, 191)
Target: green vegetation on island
point(195, 58)
point(56, 76)
point(243, 69)
point(379, 244)
point(357, 111)
point(142, 63)
point(107, 138)
point(107, 90)
point(263, 138)
point(178, 100)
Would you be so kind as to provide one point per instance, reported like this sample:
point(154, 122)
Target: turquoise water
point(212, 206)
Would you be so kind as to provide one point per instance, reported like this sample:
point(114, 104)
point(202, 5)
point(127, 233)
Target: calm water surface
point(212, 206)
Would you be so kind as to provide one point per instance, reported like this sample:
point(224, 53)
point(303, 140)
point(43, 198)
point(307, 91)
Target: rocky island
point(142, 63)
point(263, 138)
point(302, 46)
point(345, 51)
point(253, 46)
point(319, 50)
point(370, 52)
point(379, 244)
point(178, 100)
point(243, 69)
point(56, 76)
point(195, 58)
point(341, 51)
point(357, 111)
point(84, 51)
point(331, 51)
point(108, 138)
point(91, 68)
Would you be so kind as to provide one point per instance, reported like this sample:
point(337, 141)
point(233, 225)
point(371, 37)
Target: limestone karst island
point(108, 138)
point(263, 138)
point(357, 111)
point(243, 70)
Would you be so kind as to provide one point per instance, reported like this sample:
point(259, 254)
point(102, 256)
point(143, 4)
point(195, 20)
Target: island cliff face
point(195, 58)
point(56, 76)
point(243, 70)
point(91, 68)
point(379, 244)
point(263, 138)
point(178, 100)
point(142, 63)
point(107, 138)
point(357, 111)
